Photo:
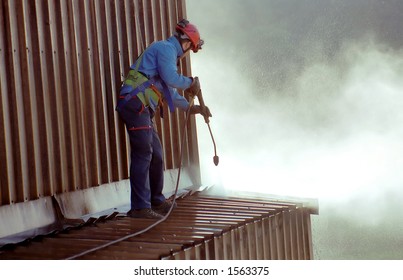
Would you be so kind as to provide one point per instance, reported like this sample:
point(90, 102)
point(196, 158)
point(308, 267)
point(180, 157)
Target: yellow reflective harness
point(136, 84)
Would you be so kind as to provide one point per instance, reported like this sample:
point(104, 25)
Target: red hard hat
point(190, 30)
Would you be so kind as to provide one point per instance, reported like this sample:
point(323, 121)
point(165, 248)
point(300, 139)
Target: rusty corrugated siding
point(61, 63)
point(201, 227)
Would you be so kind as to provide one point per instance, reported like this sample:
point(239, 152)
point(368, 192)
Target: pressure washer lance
point(207, 120)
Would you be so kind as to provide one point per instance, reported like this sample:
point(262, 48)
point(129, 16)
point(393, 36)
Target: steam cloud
point(306, 97)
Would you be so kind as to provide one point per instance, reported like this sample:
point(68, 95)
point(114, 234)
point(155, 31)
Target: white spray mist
point(330, 129)
point(336, 135)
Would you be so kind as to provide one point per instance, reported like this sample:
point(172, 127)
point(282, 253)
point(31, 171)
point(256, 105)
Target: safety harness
point(137, 85)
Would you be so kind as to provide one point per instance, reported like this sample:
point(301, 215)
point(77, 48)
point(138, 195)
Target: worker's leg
point(141, 154)
point(140, 130)
point(156, 171)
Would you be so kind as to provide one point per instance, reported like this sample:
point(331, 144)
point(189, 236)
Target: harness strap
point(167, 96)
point(128, 92)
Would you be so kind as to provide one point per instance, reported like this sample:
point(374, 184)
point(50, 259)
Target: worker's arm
point(168, 70)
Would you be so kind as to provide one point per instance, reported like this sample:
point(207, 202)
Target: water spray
point(207, 120)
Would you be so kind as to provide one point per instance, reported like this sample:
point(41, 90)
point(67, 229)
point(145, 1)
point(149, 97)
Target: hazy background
point(307, 101)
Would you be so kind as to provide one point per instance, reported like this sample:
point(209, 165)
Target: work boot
point(163, 208)
point(145, 213)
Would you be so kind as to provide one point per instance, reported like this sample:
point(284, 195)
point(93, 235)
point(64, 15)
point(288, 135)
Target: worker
point(153, 79)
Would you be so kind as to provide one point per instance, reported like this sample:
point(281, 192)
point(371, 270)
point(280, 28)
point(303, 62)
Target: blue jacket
point(160, 58)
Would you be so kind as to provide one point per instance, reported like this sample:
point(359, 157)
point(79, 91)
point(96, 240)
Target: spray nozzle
point(216, 160)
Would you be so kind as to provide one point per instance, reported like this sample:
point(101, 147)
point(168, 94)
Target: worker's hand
point(194, 88)
point(204, 111)
point(195, 109)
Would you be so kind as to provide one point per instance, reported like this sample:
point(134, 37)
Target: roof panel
point(201, 227)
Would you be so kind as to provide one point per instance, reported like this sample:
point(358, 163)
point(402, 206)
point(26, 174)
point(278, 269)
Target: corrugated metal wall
point(61, 63)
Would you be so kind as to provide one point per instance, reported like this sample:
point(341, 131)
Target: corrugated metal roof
point(201, 227)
